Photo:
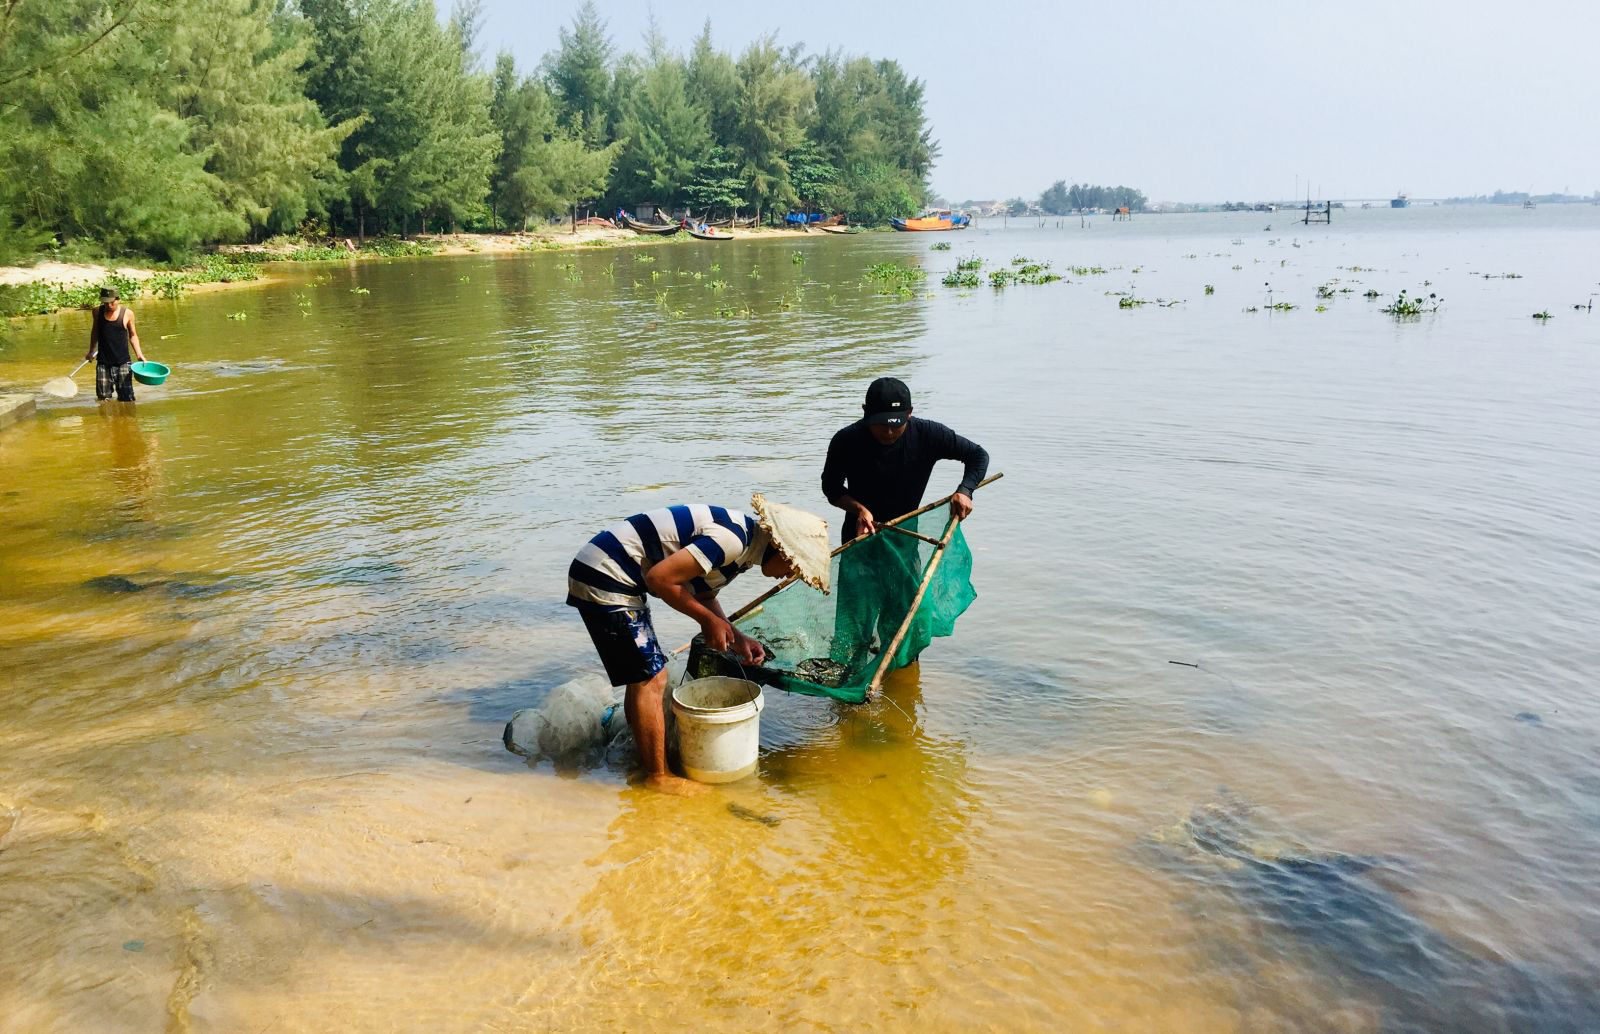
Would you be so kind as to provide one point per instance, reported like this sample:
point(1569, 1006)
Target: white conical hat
point(800, 536)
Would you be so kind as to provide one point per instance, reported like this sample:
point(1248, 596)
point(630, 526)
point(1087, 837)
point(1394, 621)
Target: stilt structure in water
point(1318, 215)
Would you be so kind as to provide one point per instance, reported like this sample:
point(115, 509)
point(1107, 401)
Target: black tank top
point(113, 337)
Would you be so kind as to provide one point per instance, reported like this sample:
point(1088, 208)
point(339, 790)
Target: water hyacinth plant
point(1406, 306)
point(893, 278)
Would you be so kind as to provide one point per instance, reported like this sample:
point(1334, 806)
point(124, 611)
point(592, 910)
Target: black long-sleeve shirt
point(889, 479)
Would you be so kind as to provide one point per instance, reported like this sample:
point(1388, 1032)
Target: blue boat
point(1399, 201)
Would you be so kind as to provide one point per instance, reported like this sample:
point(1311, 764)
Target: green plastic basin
point(150, 373)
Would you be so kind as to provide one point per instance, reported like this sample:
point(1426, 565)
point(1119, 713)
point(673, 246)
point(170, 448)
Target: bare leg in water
point(645, 708)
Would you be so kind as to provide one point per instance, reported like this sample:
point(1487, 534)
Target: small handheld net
point(833, 645)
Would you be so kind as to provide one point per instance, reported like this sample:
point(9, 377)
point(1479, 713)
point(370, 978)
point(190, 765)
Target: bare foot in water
point(675, 785)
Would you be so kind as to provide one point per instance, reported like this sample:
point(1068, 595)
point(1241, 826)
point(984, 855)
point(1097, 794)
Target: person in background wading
point(877, 469)
point(113, 341)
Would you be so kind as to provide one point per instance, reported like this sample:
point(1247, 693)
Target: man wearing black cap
point(878, 467)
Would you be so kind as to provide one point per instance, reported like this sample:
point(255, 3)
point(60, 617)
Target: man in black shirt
point(878, 467)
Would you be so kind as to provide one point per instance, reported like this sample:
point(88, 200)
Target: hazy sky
point(1191, 101)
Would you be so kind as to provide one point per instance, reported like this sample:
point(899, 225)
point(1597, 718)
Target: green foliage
point(941, 246)
point(665, 136)
point(771, 111)
point(1060, 199)
point(128, 126)
point(893, 278)
point(37, 299)
point(810, 173)
point(1210, 290)
point(962, 278)
point(1543, 315)
point(1408, 306)
point(424, 146)
point(542, 169)
point(579, 74)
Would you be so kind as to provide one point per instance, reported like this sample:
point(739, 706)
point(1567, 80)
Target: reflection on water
point(259, 635)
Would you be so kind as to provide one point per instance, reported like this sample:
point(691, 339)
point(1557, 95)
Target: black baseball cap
point(888, 402)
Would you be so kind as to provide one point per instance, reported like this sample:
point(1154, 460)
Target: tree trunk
point(361, 224)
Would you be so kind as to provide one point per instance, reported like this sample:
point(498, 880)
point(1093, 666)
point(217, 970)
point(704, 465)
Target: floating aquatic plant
point(893, 278)
point(360, 290)
point(1542, 316)
point(1406, 306)
point(941, 246)
point(646, 259)
point(717, 285)
point(1085, 270)
point(238, 315)
point(1130, 302)
point(1210, 289)
point(798, 258)
point(1324, 290)
point(962, 278)
point(1371, 293)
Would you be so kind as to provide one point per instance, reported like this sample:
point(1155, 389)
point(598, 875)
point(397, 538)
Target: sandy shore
point(552, 240)
point(72, 274)
point(67, 274)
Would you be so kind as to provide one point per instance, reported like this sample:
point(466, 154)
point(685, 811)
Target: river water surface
point(259, 636)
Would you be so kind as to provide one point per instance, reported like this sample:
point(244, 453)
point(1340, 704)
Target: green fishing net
point(831, 645)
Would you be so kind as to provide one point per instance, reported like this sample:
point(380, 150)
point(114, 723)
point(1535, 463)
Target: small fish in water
point(740, 811)
point(114, 583)
point(821, 671)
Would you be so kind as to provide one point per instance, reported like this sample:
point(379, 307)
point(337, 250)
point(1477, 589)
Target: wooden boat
point(710, 233)
point(838, 229)
point(659, 231)
point(932, 221)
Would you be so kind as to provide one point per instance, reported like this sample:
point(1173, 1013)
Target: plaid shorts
point(115, 381)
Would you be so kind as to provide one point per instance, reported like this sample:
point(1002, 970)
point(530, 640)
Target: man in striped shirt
point(683, 555)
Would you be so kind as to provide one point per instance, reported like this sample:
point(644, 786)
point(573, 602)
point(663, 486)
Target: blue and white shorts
point(626, 642)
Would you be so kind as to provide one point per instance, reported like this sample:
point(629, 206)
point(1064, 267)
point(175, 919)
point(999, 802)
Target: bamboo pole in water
point(876, 685)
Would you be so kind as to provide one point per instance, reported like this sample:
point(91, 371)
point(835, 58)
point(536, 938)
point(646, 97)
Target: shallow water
point(258, 638)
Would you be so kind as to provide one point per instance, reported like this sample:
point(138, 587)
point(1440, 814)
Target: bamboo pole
point(876, 685)
point(744, 610)
point(914, 534)
point(750, 608)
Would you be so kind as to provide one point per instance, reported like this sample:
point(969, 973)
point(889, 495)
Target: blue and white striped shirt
point(609, 570)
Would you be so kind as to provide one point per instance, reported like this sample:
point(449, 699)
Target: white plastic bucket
point(719, 727)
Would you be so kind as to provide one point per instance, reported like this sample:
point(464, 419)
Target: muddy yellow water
point(259, 635)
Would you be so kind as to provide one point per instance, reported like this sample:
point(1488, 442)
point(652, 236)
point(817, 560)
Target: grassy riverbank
point(52, 286)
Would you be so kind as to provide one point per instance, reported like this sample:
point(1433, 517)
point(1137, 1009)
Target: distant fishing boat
point(708, 233)
point(940, 220)
point(657, 231)
point(1400, 201)
point(838, 229)
point(1529, 204)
